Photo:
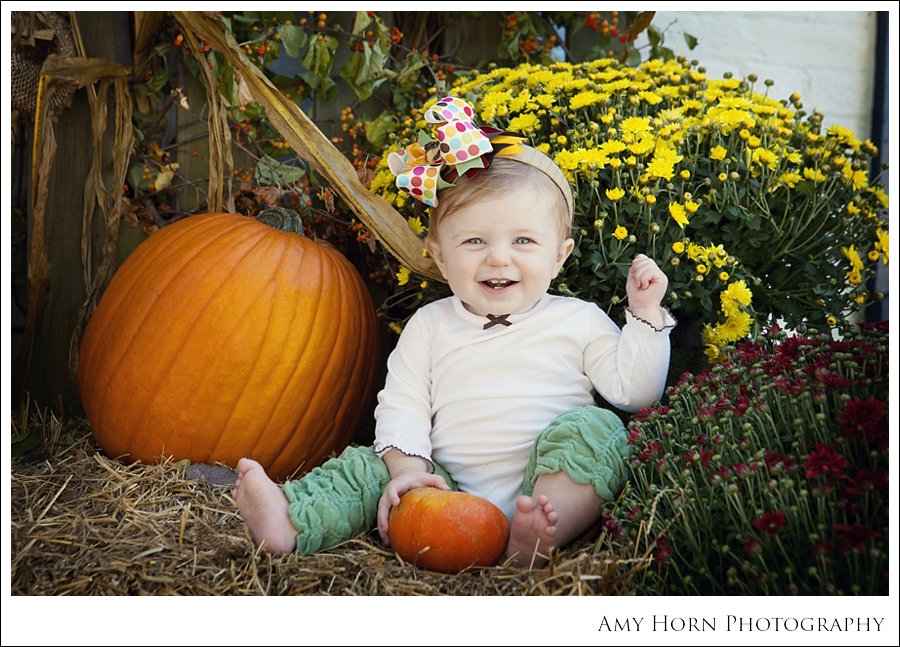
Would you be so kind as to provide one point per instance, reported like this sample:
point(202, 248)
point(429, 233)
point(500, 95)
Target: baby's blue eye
point(474, 241)
point(523, 240)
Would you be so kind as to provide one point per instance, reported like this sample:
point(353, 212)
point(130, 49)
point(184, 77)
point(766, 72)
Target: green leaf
point(160, 77)
point(365, 70)
point(270, 172)
point(634, 57)
point(690, 40)
point(404, 80)
point(378, 129)
point(665, 53)
point(293, 38)
point(318, 61)
point(26, 442)
point(228, 84)
point(361, 22)
point(247, 17)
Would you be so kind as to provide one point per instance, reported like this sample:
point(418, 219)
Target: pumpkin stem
point(282, 219)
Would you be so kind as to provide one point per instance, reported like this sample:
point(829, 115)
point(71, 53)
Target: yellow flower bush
point(748, 206)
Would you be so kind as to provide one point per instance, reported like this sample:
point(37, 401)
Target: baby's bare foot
point(264, 507)
point(533, 531)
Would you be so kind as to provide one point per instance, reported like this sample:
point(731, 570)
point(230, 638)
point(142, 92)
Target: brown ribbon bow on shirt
point(497, 319)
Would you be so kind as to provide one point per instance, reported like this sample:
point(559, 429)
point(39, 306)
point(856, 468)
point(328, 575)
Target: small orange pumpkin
point(447, 531)
point(222, 337)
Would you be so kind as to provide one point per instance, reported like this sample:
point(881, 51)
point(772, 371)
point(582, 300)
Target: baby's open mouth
point(498, 285)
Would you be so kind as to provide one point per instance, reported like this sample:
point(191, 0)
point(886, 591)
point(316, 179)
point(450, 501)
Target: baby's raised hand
point(646, 286)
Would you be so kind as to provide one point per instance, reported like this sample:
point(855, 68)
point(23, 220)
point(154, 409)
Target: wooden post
point(49, 380)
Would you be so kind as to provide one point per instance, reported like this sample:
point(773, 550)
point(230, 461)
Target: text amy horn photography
point(741, 623)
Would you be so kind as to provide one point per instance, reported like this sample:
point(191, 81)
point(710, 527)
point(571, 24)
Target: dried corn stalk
point(389, 226)
point(76, 72)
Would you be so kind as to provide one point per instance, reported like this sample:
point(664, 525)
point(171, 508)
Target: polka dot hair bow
point(461, 146)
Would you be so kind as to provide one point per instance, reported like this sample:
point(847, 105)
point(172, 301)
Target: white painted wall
point(826, 56)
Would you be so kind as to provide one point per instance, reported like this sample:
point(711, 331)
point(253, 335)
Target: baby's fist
point(646, 285)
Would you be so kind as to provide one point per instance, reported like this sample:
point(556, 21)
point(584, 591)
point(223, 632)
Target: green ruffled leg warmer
point(339, 500)
point(589, 444)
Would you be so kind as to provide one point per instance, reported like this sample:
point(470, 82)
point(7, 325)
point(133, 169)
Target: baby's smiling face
point(500, 256)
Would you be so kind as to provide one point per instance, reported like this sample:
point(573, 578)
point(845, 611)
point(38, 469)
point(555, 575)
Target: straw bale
point(86, 524)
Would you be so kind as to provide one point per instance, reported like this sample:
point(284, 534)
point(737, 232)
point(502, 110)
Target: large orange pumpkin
point(222, 337)
point(447, 531)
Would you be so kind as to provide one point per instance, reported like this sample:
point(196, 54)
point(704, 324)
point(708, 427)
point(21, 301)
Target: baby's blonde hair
point(503, 175)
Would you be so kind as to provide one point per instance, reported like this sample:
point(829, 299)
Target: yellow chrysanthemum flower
point(690, 206)
point(882, 244)
point(718, 152)
point(736, 327)
point(813, 174)
point(403, 275)
point(620, 232)
point(525, 123)
point(852, 255)
point(855, 177)
point(678, 247)
point(612, 146)
point(521, 99)
point(643, 145)
point(663, 163)
point(678, 213)
point(766, 158)
point(635, 126)
point(790, 179)
point(415, 223)
point(695, 251)
point(546, 100)
point(739, 292)
point(587, 98)
point(615, 194)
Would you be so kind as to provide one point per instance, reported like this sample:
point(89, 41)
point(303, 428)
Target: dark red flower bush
point(766, 474)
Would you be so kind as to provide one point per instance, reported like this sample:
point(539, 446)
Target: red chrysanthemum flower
point(647, 413)
point(822, 547)
point(702, 455)
point(771, 522)
point(612, 527)
point(777, 460)
point(866, 481)
point(752, 546)
point(864, 417)
point(663, 550)
point(654, 448)
point(854, 536)
point(825, 461)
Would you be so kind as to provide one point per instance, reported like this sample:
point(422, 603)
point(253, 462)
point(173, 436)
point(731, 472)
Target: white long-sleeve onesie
point(475, 400)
